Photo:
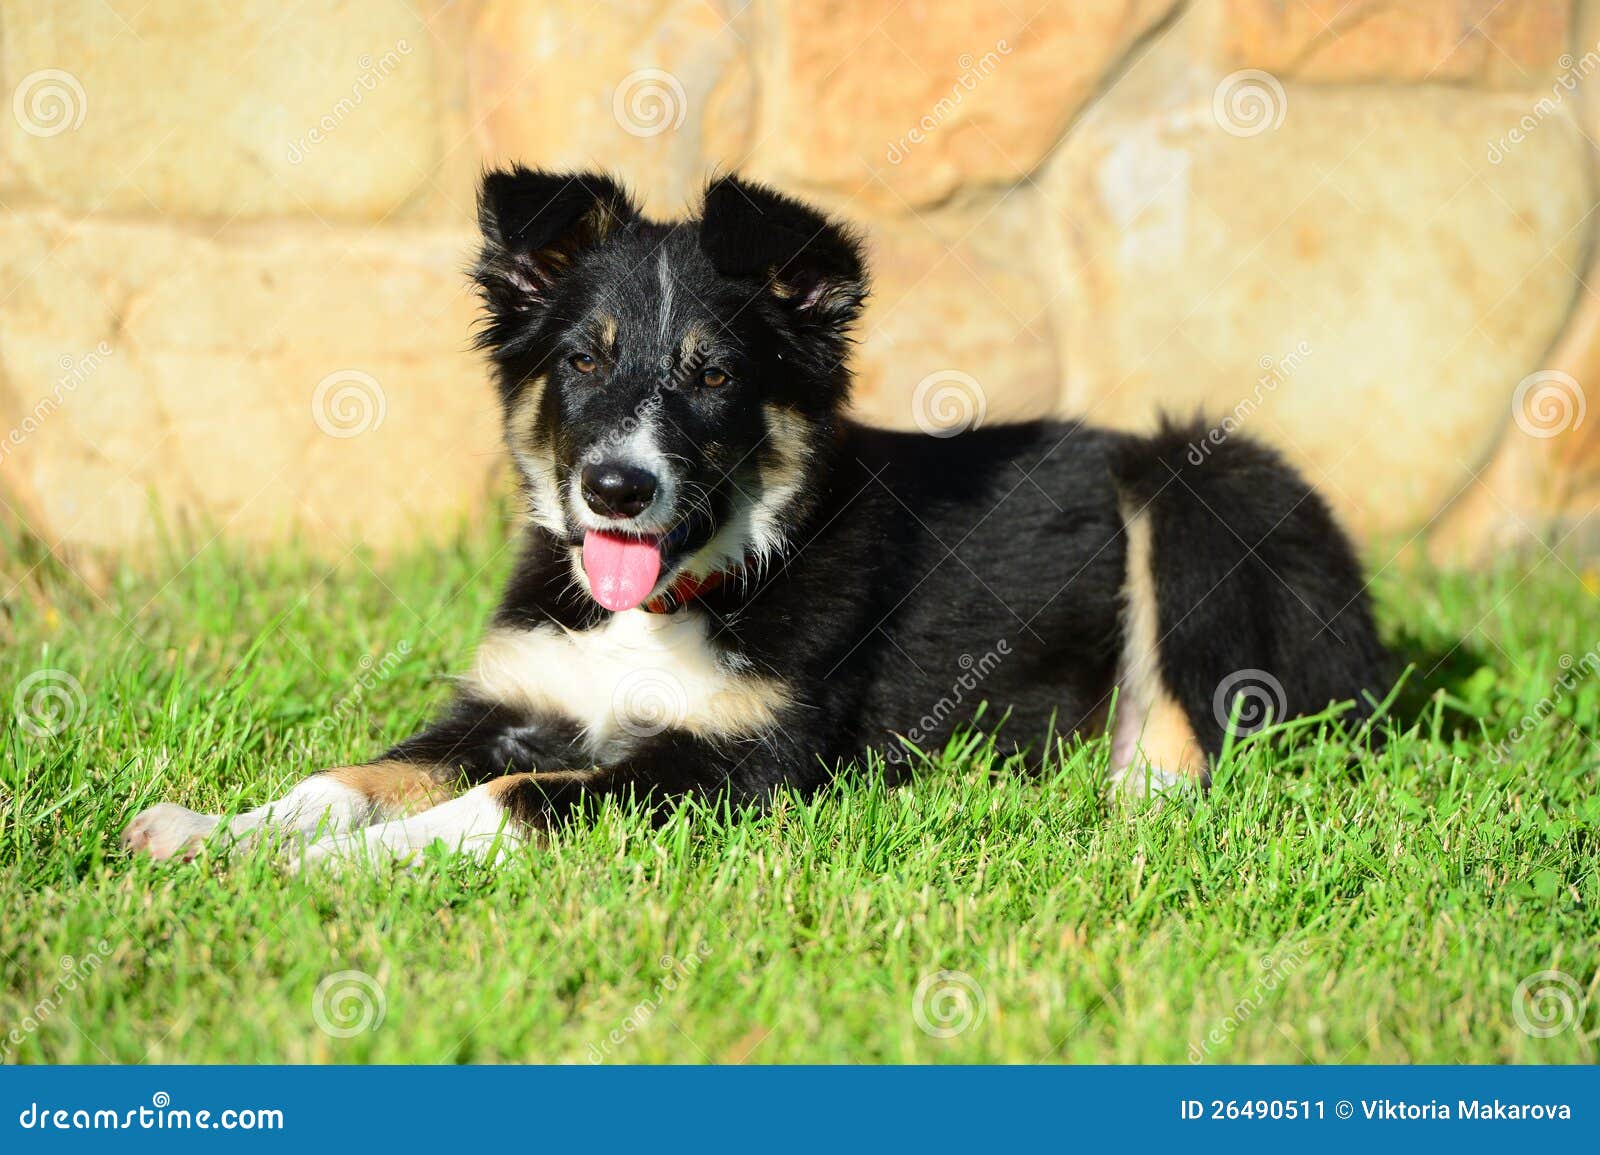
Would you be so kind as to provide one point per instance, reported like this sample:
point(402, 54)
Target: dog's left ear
point(810, 264)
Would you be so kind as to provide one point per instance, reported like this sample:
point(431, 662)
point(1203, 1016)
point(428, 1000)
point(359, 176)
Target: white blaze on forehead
point(664, 276)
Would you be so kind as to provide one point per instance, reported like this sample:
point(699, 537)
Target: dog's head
point(668, 388)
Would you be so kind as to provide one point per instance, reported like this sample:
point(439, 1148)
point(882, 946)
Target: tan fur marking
point(520, 421)
point(782, 478)
point(1151, 730)
point(500, 787)
point(539, 471)
point(601, 221)
point(398, 787)
point(695, 338)
point(1168, 740)
point(608, 333)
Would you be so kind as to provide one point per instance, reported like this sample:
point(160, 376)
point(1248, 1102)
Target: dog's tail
point(1244, 598)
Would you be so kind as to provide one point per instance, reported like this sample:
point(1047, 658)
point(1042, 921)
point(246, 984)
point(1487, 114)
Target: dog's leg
point(1153, 746)
point(518, 808)
point(333, 800)
point(482, 822)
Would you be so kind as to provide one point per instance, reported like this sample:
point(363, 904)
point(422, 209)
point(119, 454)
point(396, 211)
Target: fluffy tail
point(1241, 586)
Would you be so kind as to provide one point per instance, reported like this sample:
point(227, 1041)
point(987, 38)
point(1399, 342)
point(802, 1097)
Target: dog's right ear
point(535, 224)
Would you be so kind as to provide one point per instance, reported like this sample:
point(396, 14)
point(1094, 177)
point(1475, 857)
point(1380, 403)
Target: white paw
point(1141, 780)
point(167, 831)
point(360, 848)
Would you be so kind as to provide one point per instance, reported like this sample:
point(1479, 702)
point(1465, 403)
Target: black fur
point(1260, 577)
point(903, 562)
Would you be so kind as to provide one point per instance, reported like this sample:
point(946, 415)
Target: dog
point(727, 587)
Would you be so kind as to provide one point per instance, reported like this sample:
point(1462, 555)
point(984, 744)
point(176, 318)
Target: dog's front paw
point(167, 831)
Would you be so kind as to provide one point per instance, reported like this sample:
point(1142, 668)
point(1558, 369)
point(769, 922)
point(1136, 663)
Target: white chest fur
point(637, 675)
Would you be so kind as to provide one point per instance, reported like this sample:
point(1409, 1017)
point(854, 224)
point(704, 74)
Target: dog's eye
point(713, 378)
point(583, 363)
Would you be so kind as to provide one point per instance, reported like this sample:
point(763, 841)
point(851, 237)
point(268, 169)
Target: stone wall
point(232, 236)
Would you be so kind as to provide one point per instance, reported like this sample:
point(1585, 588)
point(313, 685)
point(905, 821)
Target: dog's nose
point(618, 490)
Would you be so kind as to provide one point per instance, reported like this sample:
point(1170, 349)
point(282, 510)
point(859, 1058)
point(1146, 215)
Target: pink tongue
point(622, 570)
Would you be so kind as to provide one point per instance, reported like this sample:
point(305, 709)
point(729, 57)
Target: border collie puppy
point(727, 586)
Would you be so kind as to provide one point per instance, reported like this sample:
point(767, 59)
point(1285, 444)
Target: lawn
point(1398, 911)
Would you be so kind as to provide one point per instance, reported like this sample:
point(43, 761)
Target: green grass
point(1301, 912)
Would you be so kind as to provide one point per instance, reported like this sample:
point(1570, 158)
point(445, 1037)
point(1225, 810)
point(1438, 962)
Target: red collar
point(685, 589)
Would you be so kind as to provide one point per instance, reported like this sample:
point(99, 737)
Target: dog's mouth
point(623, 569)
